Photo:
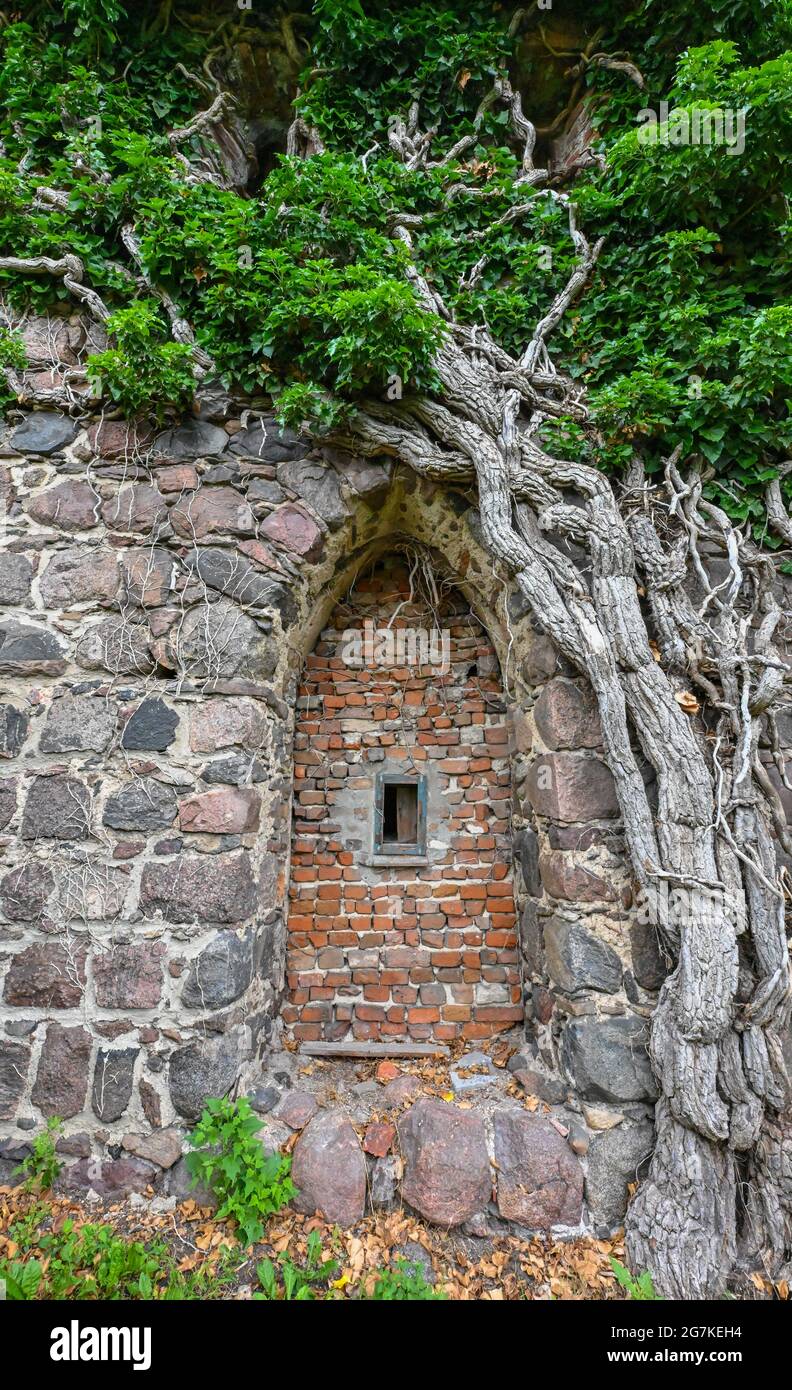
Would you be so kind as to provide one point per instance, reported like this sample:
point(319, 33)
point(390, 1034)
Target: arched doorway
point(402, 923)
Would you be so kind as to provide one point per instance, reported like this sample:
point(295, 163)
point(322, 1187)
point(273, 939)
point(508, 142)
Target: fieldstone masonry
point(169, 601)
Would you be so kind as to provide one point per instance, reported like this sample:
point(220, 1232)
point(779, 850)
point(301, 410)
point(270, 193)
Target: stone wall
point(426, 948)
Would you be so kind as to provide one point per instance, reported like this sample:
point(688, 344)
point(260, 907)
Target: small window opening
point(399, 816)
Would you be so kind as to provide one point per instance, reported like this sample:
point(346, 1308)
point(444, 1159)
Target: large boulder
point(540, 1181)
point(447, 1171)
point(329, 1170)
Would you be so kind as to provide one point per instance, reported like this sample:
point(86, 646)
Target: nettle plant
point(592, 337)
point(249, 1185)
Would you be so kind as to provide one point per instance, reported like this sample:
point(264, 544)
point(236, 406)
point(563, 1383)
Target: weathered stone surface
point(222, 641)
point(384, 1180)
point(108, 1178)
point(151, 1102)
point(25, 891)
point(571, 787)
point(148, 575)
point(229, 573)
point(577, 960)
point(8, 800)
point(213, 511)
point(237, 770)
point(329, 1170)
point(263, 1099)
point(44, 432)
point(297, 1108)
point(540, 1181)
point(526, 851)
point(193, 439)
point(201, 1071)
point(49, 339)
point(369, 480)
point(163, 1148)
point(119, 439)
point(273, 1135)
point(648, 963)
point(80, 575)
point(46, 976)
point(221, 723)
point(203, 888)
point(137, 507)
point(129, 977)
point(566, 716)
point(14, 1063)
point(181, 1185)
point(13, 730)
point(378, 1138)
point(28, 648)
point(400, 1089)
point(221, 973)
point(16, 573)
point(97, 896)
point(71, 505)
point(536, 1081)
point(226, 811)
point(143, 804)
point(295, 530)
point(607, 1059)
point(318, 486)
point(114, 1072)
point(57, 808)
point(115, 645)
point(152, 726)
point(62, 1077)
point(565, 877)
point(266, 441)
point(447, 1172)
point(78, 722)
point(541, 660)
point(616, 1158)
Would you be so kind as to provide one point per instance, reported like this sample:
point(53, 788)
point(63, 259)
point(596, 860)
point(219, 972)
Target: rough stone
point(538, 1082)
point(115, 645)
point(78, 722)
point(44, 432)
point(137, 507)
point(57, 808)
point(447, 1172)
point(80, 575)
point(297, 1108)
point(62, 1077)
point(379, 1138)
point(13, 730)
point(295, 530)
point(70, 505)
point(182, 1185)
point(202, 1071)
point(228, 573)
point(152, 726)
point(540, 1181)
point(385, 1174)
point(203, 888)
point(119, 439)
point(648, 964)
point(163, 1148)
point(577, 960)
point(225, 811)
point(8, 800)
point(148, 576)
point(14, 1063)
point(329, 1170)
point(218, 724)
point(25, 891)
point(143, 804)
point(273, 1135)
point(193, 439)
point(46, 976)
point(264, 440)
point(472, 1072)
point(263, 1099)
point(16, 573)
point(607, 1059)
point(112, 1084)
point(221, 641)
point(566, 878)
point(370, 481)
point(571, 787)
point(221, 973)
point(318, 486)
point(129, 977)
point(616, 1158)
point(27, 648)
point(566, 716)
point(400, 1089)
point(211, 511)
point(108, 1178)
point(526, 851)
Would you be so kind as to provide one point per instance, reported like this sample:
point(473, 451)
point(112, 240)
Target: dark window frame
point(399, 848)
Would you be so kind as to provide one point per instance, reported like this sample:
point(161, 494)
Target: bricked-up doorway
point(402, 919)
